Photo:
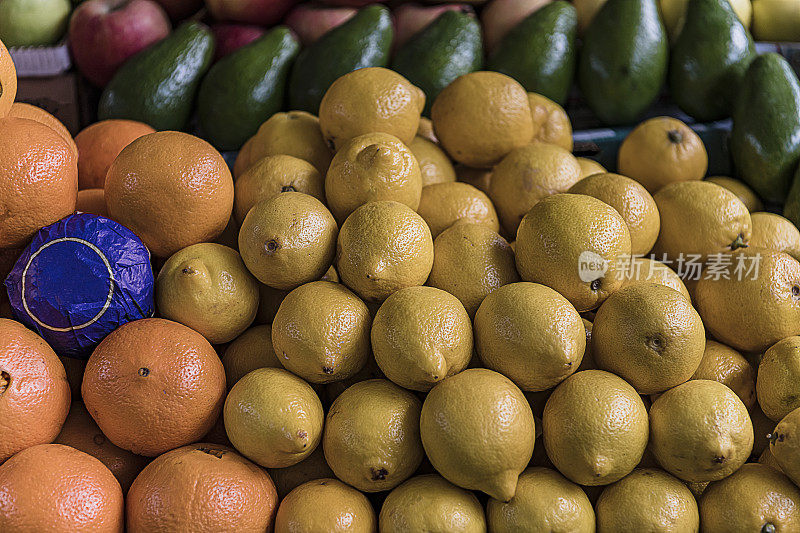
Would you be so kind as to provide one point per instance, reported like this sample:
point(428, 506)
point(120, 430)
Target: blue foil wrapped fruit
point(78, 280)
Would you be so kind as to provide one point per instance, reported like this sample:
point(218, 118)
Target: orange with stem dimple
point(172, 189)
point(52, 487)
point(153, 385)
point(38, 179)
point(34, 393)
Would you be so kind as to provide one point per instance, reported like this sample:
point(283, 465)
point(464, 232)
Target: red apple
point(499, 16)
point(180, 9)
point(103, 34)
point(310, 22)
point(411, 18)
point(258, 12)
point(230, 37)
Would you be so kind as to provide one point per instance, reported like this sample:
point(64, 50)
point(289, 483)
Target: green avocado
point(765, 139)
point(448, 47)
point(709, 59)
point(623, 63)
point(245, 88)
point(540, 52)
point(362, 41)
point(158, 85)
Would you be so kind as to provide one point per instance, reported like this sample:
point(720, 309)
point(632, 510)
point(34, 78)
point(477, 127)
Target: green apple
point(33, 22)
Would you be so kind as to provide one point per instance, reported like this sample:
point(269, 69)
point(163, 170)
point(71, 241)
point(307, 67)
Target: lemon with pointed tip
point(371, 438)
point(369, 100)
point(545, 501)
point(208, 288)
point(370, 168)
point(647, 499)
point(273, 417)
point(431, 503)
point(604, 440)
point(531, 334)
point(420, 336)
point(288, 240)
point(321, 332)
point(700, 431)
point(444, 204)
point(383, 247)
point(465, 440)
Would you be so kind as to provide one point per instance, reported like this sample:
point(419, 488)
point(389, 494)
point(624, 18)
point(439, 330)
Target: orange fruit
point(31, 112)
point(92, 201)
point(172, 189)
point(153, 385)
point(38, 179)
point(202, 487)
point(52, 487)
point(8, 80)
point(81, 432)
point(34, 393)
point(98, 146)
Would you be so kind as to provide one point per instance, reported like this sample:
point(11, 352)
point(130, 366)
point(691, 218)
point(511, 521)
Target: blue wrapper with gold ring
point(78, 280)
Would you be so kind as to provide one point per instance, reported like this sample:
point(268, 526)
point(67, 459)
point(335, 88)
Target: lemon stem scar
point(675, 137)
point(5, 380)
point(738, 242)
point(144, 372)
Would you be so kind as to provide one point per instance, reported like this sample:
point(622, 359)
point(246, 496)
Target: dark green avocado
point(540, 52)
point(362, 41)
point(158, 85)
point(245, 88)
